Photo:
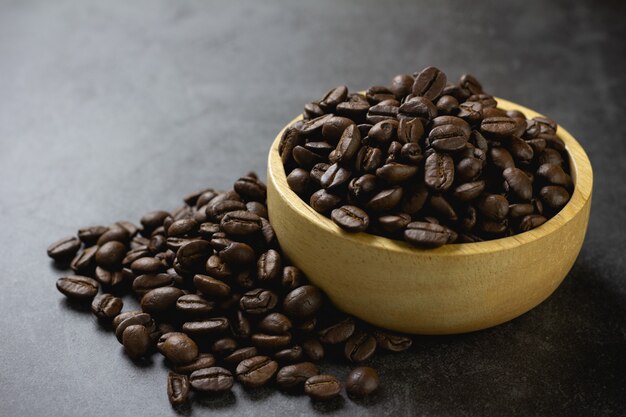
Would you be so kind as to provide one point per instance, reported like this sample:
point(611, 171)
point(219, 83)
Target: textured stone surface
point(110, 109)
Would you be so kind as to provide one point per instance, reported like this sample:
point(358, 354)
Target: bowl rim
point(581, 172)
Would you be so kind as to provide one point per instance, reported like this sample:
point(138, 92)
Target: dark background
point(111, 109)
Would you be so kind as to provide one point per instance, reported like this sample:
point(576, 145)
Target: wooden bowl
point(452, 289)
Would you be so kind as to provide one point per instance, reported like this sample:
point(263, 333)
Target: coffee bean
point(299, 180)
point(348, 144)
point(420, 107)
point(275, 323)
point(106, 306)
point(212, 326)
point(362, 381)
point(334, 128)
point(385, 200)
point(291, 277)
point(136, 341)
point(323, 202)
point(64, 249)
point(90, 235)
point(296, 375)
point(501, 158)
point(250, 188)
point(146, 265)
point(394, 222)
point(494, 207)
point(256, 371)
point(178, 348)
point(237, 253)
point(182, 227)
point(313, 349)
point(258, 301)
point(426, 235)
point(335, 177)
point(211, 287)
point(519, 149)
point(110, 255)
point(333, 97)
point(395, 173)
point(177, 388)
point(290, 355)
point(554, 196)
point(160, 299)
point(554, 174)
point(498, 127)
point(193, 305)
point(337, 333)
point(271, 341)
point(303, 302)
point(350, 218)
point(139, 318)
point(518, 183)
point(392, 342)
point(224, 346)
point(110, 278)
point(322, 387)
point(531, 221)
point(215, 380)
point(448, 138)
point(147, 282)
point(439, 171)
point(368, 159)
point(204, 360)
point(360, 347)
point(469, 191)
point(240, 326)
point(78, 287)
point(429, 83)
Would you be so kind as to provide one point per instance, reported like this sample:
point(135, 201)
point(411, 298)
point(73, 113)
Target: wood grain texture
point(453, 289)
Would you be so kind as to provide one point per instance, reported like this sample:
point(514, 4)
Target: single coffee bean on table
point(447, 139)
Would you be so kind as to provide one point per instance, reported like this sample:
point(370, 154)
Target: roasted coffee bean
point(224, 346)
point(469, 191)
point(312, 110)
point(363, 186)
point(218, 208)
point(269, 266)
point(385, 200)
point(553, 174)
point(335, 177)
point(123, 316)
point(493, 206)
point(429, 83)
point(182, 227)
point(214, 380)
point(447, 105)
point(376, 94)
point(323, 202)
point(494, 227)
point(517, 182)
point(383, 132)
point(520, 210)
point(177, 388)
point(178, 348)
point(64, 249)
point(211, 287)
point(531, 221)
point(519, 149)
point(313, 349)
point(410, 130)
point(78, 287)
point(193, 254)
point(140, 318)
point(368, 159)
point(299, 180)
point(256, 371)
point(258, 301)
point(439, 171)
point(350, 218)
point(395, 173)
point(90, 235)
point(194, 305)
point(250, 188)
point(554, 196)
point(157, 244)
point(392, 342)
point(237, 253)
point(296, 375)
point(414, 199)
point(110, 255)
point(448, 138)
point(110, 278)
point(291, 278)
point(348, 145)
point(471, 112)
point(498, 127)
point(270, 341)
point(240, 354)
point(322, 387)
point(411, 153)
point(147, 265)
point(106, 306)
point(334, 128)
point(333, 97)
point(290, 355)
point(394, 222)
point(160, 299)
point(362, 381)
point(468, 169)
point(217, 268)
point(402, 85)
point(204, 360)
point(136, 341)
point(212, 326)
point(426, 235)
point(442, 207)
point(360, 347)
point(147, 282)
point(305, 157)
point(302, 302)
point(501, 158)
point(275, 323)
point(337, 333)
point(114, 234)
point(420, 107)
point(550, 156)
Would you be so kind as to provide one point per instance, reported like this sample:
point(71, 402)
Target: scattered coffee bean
point(78, 287)
point(177, 388)
point(106, 306)
point(362, 381)
point(296, 375)
point(64, 249)
point(136, 340)
point(322, 387)
point(215, 380)
point(256, 371)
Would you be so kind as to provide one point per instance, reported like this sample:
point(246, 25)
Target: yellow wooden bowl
point(453, 289)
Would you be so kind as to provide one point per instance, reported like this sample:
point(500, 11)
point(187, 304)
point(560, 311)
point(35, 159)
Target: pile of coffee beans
point(218, 299)
point(427, 161)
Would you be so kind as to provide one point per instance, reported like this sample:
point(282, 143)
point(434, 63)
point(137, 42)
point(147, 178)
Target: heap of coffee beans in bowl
point(218, 299)
point(427, 161)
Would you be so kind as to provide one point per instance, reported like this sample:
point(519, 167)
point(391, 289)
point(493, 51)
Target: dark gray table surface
point(111, 109)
